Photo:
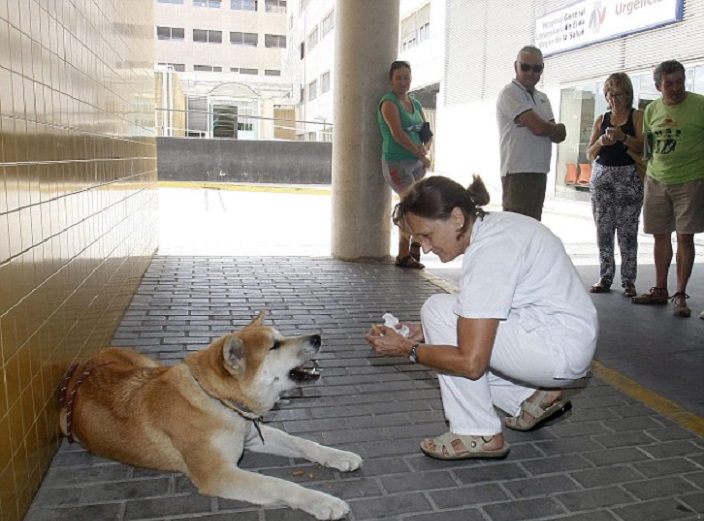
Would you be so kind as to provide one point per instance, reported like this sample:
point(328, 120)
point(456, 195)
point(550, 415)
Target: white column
point(366, 42)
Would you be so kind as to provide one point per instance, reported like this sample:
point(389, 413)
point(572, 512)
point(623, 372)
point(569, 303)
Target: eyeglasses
point(538, 68)
point(616, 95)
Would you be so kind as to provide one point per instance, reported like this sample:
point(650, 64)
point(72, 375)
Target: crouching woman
point(521, 329)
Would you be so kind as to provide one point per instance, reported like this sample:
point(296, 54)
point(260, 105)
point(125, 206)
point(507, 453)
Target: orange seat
point(585, 173)
point(571, 173)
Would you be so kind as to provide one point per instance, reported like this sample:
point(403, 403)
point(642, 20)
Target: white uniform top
point(521, 150)
point(516, 270)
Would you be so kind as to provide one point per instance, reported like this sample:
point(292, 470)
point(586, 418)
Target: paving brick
point(499, 471)
point(463, 496)
point(467, 514)
point(660, 510)
point(420, 481)
point(605, 476)
point(656, 488)
point(389, 506)
point(525, 509)
point(615, 456)
point(104, 512)
point(166, 506)
point(540, 486)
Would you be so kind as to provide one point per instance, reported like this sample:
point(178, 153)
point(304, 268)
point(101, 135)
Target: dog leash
point(240, 409)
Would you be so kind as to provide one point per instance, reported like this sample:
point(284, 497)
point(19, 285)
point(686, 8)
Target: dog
point(197, 417)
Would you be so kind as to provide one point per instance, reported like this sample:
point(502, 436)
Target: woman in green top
point(404, 157)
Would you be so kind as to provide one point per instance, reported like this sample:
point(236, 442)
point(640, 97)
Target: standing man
point(674, 184)
point(527, 130)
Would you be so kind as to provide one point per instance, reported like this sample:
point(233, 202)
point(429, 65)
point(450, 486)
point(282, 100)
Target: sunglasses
point(525, 67)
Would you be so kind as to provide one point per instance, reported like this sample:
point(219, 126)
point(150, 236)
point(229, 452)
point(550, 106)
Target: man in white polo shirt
point(527, 130)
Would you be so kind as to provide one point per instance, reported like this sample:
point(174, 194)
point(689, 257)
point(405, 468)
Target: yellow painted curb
point(653, 400)
point(246, 188)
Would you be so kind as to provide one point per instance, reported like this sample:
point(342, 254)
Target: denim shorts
point(400, 175)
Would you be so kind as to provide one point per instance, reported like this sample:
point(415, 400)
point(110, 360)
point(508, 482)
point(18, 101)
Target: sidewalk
point(624, 453)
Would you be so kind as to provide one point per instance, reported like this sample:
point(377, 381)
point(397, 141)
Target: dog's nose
point(315, 340)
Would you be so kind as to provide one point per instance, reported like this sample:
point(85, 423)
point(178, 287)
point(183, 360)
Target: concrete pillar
point(366, 42)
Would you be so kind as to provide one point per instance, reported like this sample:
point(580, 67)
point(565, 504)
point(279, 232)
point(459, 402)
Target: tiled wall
point(77, 205)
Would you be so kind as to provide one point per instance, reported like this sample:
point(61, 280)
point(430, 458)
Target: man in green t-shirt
point(673, 127)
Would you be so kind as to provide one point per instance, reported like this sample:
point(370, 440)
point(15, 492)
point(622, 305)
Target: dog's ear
point(234, 357)
point(258, 320)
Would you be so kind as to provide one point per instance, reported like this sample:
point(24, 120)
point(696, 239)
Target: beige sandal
point(537, 412)
point(452, 446)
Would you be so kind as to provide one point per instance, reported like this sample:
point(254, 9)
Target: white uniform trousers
point(520, 363)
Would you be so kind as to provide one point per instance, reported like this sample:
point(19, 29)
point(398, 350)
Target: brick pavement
point(612, 458)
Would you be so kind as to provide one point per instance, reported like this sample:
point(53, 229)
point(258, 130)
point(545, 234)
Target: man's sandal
point(533, 414)
point(679, 305)
point(408, 262)
point(654, 296)
point(452, 446)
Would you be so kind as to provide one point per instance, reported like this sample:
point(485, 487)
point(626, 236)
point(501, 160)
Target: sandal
point(408, 262)
point(537, 413)
point(680, 307)
point(655, 296)
point(629, 290)
point(600, 287)
point(452, 446)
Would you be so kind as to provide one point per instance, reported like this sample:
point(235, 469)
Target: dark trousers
point(524, 193)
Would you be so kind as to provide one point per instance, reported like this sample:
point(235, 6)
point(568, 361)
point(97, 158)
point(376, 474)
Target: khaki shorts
point(673, 208)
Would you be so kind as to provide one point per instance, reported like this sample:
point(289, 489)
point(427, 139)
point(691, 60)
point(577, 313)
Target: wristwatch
point(413, 356)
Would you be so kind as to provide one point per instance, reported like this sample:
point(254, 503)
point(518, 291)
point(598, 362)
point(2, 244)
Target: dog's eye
point(276, 345)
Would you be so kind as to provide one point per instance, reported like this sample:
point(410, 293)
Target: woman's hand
point(606, 140)
point(615, 135)
point(415, 331)
point(389, 343)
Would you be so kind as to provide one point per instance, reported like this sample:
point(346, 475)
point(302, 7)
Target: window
point(247, 39)
point(312, 40)
point(207, 68)
point(178, 67)
point(243, 5)
point(274, 40)
point(170, 33)
point(244, 70)
point(325, 83)
point(328, 23)
point(275, 6)
point(272, 72)
point(206, 35)
point(312, 90)
point(215, 4)
point(179, 2)
point(424, 32)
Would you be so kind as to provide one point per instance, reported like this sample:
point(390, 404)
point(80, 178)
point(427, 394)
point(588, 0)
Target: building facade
point(227, 55)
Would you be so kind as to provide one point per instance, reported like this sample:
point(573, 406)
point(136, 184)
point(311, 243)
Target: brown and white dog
point(199, 416)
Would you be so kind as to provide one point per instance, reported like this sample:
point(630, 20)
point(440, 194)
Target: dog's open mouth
point(307, 373)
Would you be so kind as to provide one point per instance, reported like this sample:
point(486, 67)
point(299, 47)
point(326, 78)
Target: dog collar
point(240, 409)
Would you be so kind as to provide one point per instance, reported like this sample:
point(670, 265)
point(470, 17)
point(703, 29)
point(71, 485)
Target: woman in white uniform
point(522, 328)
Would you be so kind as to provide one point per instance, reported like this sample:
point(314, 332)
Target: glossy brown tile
point(77, 185)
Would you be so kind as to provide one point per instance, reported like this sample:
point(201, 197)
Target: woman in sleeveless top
point(616, 188)
point(404, 156)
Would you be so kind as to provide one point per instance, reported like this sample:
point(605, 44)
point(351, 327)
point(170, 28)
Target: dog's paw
point(329, 507)
point(344, 461)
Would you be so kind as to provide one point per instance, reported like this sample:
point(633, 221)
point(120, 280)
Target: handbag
point(425, 133)
point(641, 164)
